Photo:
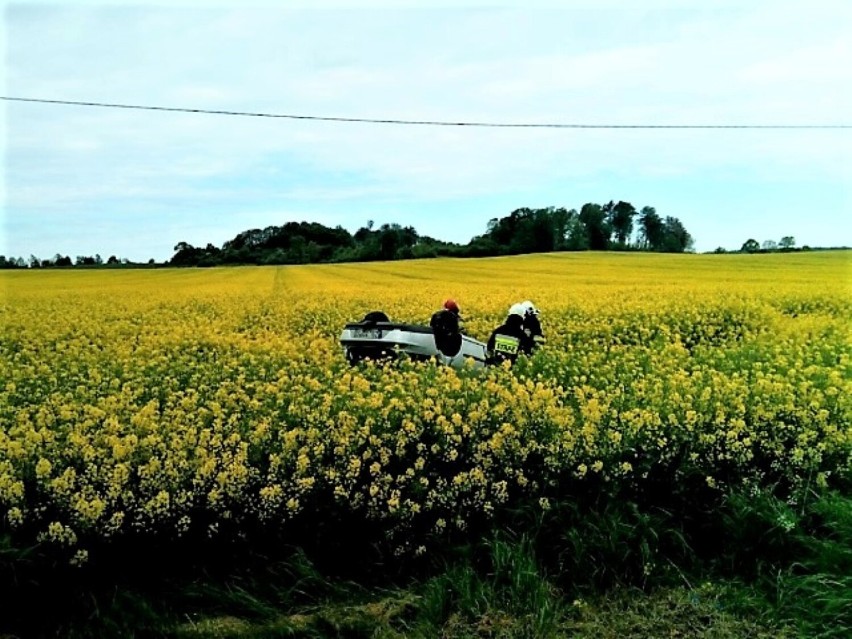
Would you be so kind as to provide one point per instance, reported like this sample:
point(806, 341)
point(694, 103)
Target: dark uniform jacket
point(532, 327)
point(447, 331)
point(508, 341)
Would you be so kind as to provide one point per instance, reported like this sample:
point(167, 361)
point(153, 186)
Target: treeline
point(617, 226)
point(64, 261)
point(611, 226)
point(309, 242)
point(787, 244)
point(597, 227)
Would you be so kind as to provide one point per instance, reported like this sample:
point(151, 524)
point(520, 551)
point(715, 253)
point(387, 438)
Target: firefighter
point(446, 326)
point(532, 324)
point(509, 339)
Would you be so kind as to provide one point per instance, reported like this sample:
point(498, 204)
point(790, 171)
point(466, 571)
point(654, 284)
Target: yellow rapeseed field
point(167, 401)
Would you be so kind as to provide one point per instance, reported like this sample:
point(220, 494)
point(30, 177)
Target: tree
point(388, 241)
point(12, 262)
point(750, 246)
point(576, 238)
point(395, 241)
point(185, 255)
point(506, 231)
point(542, 238)
point(620, 218)
point(769, 245)
point(560, 220)
point(598, 229)
point(787, 242)
point(676, 239)
point(112, 259)
point(364, 233)
point(651, 229)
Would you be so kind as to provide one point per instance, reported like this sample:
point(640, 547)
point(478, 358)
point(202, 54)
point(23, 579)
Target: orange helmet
point(451, 306)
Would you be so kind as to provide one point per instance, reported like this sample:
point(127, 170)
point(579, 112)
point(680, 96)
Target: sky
point(133, 183)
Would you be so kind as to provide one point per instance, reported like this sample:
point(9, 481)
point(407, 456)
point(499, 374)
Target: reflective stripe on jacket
point(506, 344)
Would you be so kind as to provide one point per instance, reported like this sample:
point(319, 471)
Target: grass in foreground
point(783, 572)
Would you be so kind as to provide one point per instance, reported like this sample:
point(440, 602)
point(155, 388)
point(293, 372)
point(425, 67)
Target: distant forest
point(597, 227)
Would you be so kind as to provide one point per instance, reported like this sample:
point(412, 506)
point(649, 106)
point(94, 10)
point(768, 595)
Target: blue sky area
point(133, 183)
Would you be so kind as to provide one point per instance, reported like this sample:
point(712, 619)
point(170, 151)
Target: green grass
point(754, 566)
point(507, 592)
point(803, 567)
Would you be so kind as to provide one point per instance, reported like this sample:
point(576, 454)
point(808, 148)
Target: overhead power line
point(504, 125)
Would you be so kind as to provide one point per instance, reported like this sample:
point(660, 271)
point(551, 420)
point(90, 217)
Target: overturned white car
point(379, 339)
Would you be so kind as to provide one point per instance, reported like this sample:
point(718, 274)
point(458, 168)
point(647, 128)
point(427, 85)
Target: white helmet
point(517, 309)
point(529, 308)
